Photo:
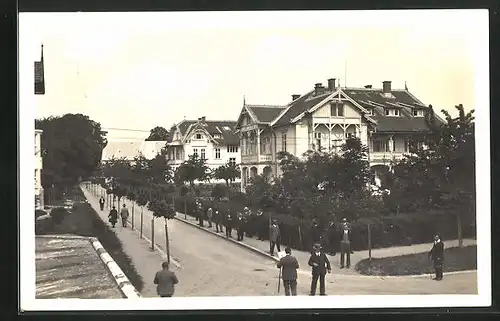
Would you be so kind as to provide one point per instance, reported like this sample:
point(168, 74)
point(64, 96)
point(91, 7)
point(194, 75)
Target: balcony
point(256, 159)
point(385, 158)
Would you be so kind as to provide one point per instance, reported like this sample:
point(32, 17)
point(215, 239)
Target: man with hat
point(345, 243)
point(274, 237)
point(289, 265)
point(436, 254)
point(240, 224)
point(320, 265)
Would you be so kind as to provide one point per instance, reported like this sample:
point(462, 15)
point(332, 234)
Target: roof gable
point(265, 113)
point(225, 128)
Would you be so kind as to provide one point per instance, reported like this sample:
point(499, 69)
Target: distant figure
point(166, 281)
point(101, 203)
point(229, 224)
point(260, 226)
point(436, 254)
point(209, 216)
point(320, 264)
point(315, 234)
point(240, 225)
point(345, 244)
point(289, 266)
point(274, 237)
point(200, 214)
point(113, 216)
point(124, 214)
point(218, 221)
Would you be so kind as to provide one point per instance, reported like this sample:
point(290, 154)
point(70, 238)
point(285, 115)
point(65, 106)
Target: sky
point(141, 70)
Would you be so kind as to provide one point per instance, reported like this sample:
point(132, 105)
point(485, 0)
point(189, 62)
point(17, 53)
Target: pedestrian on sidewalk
point(436, 254)
point(101, 203)
point(200, 214)
point(345, 244)
point(209, 216)
point(229, 224)
point(218, 221)
point(289, 265)
point(165, 281)
point(261, 226)
point(239, 226)
point(247, 216)
point(320, 265)
point(274, 236)
point(124, 214)
point(113, 216)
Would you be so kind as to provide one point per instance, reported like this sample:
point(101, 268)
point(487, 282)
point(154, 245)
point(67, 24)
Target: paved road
point(212, 266)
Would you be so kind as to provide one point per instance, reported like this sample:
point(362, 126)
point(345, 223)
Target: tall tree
point(160, 171)
point(228, 172)
point(158, 134)
point(193, 169)
point(72, 146)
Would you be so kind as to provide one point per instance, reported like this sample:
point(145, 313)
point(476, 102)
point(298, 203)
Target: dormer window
point(392, 112)
point(336, 109)
point(199, 136)
point(418, 113)
point(217, 135)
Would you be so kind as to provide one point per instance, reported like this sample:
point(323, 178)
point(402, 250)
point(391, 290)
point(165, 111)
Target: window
point(232, 149)
point(217, 135)
point(317, 135)
point(379, 146)
point(392, 112)
point(195, 152)
point(203, 153)
point(198, 136)
point(350, 135)
point(418, 113)
point(217, 153)
point(337, 110)
point(336, 145)
point(283, 142)
point(232, 160)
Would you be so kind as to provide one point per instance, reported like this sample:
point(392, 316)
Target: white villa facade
point(213, 140)
point(130, 149)
point(390, 122)
point(38, 170)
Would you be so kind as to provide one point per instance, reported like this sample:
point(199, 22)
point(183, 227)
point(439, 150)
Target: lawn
point(455, 259)
point(83, 220)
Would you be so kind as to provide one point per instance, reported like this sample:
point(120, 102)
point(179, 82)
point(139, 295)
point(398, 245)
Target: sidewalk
point(303, 257)
point(145, 261)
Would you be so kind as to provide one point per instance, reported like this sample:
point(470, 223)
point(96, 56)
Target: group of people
point(113, 214)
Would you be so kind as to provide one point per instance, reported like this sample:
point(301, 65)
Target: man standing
point(124, 214)
point(209, 216)
point(274, 237)
point(260, 225)
point(101, 203)
point(289, 265)
point(113, 216)
point(436, 254)
point(320, 264)
point(165, 281)
point(200, 213)
point(229, 224)
point(240, 226)
point(345, 244)
point(218, 221)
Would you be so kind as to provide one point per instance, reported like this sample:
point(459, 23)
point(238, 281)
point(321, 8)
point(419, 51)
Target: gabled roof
point(225, 128)
point(265, 113)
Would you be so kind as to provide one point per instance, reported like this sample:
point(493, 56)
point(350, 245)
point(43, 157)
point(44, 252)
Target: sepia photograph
point(229, 160)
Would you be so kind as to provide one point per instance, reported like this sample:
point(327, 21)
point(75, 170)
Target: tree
point(219, 192)
point(162, 209)
point(228, 172)
point(158, 134)
point(160, 171)
point(72, 146)
point(194, 168)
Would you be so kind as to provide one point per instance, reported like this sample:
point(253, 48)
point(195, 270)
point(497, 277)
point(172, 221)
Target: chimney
point(331, 84)
point(368, 86)
point(386, 85)
point(203, 119)
point(295, 97)
point(318, 88)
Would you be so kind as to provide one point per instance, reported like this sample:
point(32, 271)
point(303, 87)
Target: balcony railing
point(256, 159)
point(385, 157)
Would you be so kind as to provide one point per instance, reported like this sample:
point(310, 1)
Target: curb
point(248, 247)
point(128, 290)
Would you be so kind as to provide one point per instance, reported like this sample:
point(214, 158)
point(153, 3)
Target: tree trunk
point(133, 214)
point(185, 209)
point(300, 235)
point(142, 218)
point(369, 242)
point(153, 234)
point(459, 230)
point(167, 243)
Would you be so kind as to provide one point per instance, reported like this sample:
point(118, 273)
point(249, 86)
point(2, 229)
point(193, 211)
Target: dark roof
point(265, 114)
point(370, 99)
point(215, 127)
point(69, 267)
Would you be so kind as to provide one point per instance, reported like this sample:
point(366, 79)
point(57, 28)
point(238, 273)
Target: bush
point(58, 214)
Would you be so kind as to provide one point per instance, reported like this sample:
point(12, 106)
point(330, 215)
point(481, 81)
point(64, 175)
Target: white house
point(38, 169)
point(213, 140)
point(131, 149)
point(389, 121)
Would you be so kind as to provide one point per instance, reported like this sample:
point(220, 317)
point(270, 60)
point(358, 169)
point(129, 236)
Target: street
point(212, 266)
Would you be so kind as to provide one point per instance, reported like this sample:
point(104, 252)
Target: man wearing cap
point(345, 244)
point(240, 225)
point(320, 265)
point(289, 266)
point(436, 254)
point(274, 237)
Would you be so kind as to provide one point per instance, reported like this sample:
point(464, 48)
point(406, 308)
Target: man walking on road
point(165, 281)
point(113, 216)
point(274, 237)
point(289, 265)
point(101, 203)
point(124, 214)
point(320, 264)
point(436, 254)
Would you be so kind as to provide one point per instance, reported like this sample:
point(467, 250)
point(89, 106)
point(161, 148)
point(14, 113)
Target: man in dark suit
point(165, 281)
point(345, 244)
point(274, 237)
point(229, 223)
point(436, 254)
point(289, 265)
point(320, 264)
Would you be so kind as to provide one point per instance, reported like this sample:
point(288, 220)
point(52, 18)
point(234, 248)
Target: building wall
point(350, 111)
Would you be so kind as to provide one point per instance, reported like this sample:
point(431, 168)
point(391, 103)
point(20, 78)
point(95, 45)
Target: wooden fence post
point(142, 217)
point(369, 243)
point(153, 234)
